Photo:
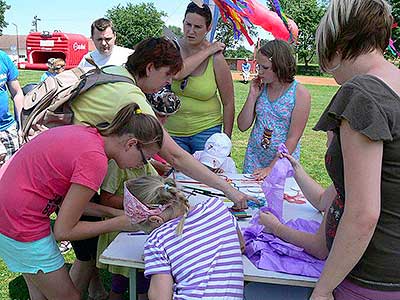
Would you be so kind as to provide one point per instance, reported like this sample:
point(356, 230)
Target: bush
point(310, 70)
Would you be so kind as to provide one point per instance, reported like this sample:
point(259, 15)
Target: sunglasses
point(144, 159)
point(184, 83)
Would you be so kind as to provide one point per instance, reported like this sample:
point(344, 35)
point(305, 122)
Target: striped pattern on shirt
point(206, 262)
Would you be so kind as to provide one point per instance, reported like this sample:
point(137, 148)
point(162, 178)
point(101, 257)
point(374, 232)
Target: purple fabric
point(268, 252)
point(274, 184)
point(265, 250)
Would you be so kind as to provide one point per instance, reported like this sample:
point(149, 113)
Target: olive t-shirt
point(372, 109)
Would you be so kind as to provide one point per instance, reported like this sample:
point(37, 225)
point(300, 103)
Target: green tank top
point(201, 107)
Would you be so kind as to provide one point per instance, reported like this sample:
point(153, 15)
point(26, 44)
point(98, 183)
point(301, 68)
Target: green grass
point(12, 285)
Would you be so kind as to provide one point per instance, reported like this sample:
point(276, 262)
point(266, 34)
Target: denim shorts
point(197, 141)
point(31, 257)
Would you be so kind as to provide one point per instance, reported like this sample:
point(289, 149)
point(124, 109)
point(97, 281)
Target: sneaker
point(65, 246)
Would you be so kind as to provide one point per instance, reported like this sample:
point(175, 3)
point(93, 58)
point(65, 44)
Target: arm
point(314, 193)
point(68, 227)
point(111, 200)
point(361, 212)
point(192, 62)
point(98, 210)
point(160, 287)
point(247, 114)
point(183, 161)
point(225, 87)
point(313, 244)
point(16, 94)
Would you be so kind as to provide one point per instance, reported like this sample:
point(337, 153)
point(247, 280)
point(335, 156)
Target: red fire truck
point(40, 46)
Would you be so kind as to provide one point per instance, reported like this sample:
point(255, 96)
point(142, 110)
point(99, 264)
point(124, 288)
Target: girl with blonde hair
point(189, 247)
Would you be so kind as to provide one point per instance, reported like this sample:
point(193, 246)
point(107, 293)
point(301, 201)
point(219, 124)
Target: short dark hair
point(204, 11)
point(101, 25)
point(159, 51)
point(281, 55)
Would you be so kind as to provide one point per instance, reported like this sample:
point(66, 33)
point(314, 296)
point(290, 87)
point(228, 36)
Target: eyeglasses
point(144, 159)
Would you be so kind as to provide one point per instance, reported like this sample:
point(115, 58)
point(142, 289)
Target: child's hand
point(260, 174)
point(256, 87)
point(270, 222)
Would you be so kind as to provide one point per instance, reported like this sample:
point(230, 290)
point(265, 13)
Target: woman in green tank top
point(204, 85)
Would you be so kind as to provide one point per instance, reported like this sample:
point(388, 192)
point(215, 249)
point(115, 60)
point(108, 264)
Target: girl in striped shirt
point(192, 251)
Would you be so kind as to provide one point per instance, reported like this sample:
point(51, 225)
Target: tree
point(3, 8)
point(396, 16)
point(307, 15)
point(240, 52)
point(177, 30)
point(134, 23)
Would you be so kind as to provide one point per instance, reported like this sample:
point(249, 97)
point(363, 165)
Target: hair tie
point(138, 111)
point(166, 187)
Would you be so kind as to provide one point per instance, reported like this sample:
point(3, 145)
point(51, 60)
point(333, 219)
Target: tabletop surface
point(127, 248)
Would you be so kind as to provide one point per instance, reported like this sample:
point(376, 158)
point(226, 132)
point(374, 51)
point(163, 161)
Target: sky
point(76, 16)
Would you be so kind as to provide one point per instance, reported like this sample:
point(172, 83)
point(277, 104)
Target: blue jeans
point(196, 142)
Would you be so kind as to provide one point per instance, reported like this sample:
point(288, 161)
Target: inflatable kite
point(245, 13)
point(276, 23)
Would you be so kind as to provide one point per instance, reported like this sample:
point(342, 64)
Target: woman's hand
point(260, 174)
point(215, 47)
point(256, 87)
point(239, 199)
point(270, 222)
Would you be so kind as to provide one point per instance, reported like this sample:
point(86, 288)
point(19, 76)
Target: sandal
point(65, 246)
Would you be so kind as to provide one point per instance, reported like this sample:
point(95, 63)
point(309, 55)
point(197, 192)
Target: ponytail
point(152, 190)
point(131, 120)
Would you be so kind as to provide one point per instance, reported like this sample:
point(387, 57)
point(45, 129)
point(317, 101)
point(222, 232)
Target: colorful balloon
point(260, 15)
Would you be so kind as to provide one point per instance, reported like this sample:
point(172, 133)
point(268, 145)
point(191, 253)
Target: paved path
point(316, 80)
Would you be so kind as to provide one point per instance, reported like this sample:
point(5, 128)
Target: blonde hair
point(131, 120)
point(353, 27)
point(158, 190)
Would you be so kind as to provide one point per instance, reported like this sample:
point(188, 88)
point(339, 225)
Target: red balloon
point(260, 15)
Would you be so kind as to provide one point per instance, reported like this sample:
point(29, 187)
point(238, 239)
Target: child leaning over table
point(194, 251)
point(216, 153)
point(111, 194)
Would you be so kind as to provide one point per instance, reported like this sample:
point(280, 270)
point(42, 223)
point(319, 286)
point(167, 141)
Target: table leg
point(132, 284)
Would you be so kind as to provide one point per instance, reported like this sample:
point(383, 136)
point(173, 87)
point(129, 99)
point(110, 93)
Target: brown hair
point(159, 190)
point(353, 28)
point(204, 11)
point(282, 58)
point(130, 120)
point(101, 25)
point(159, 51)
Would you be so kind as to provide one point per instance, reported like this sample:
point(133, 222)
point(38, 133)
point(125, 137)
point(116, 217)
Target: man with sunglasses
point(107, 53)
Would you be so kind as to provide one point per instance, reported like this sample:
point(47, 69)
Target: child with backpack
point(192, 251)
point(63, 168)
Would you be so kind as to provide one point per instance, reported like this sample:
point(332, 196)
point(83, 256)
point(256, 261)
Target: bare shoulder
point(302, 93)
